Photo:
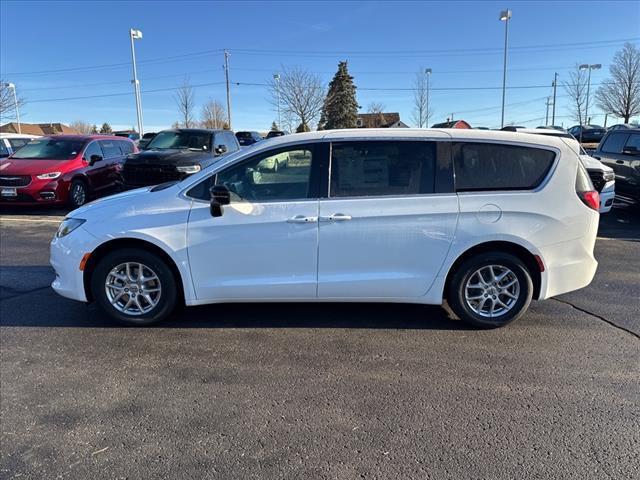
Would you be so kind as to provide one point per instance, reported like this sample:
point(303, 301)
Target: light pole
point(427, 71)
point(136, 35)
point(505, 15)
point(555, 86)
point(276, 78)
point(584, 66)
point(15, 104)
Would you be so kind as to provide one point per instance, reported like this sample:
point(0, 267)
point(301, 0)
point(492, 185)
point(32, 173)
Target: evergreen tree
point(274, 126)
point(340, 108)
point(94, 129)
point(106, 128)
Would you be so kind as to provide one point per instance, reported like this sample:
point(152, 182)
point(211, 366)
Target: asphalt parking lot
point(319, 391)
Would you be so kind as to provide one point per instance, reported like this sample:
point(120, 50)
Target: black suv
point(175, 154)
point(248, 138)
point(620, 149)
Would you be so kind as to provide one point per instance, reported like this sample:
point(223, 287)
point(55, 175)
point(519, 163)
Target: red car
point(63, 169)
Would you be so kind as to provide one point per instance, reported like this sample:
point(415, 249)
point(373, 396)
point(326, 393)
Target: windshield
point(186, 140)
point(50, 149)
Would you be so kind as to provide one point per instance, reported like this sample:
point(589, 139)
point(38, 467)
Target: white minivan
point(485, 220)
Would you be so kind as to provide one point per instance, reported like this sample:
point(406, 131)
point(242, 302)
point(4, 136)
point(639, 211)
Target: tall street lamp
point(505, 15)
point(585, 66)
point(136, 35)
point(276, 78)
point(427, 72)
point(15, 104)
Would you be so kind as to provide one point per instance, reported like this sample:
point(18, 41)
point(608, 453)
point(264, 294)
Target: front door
point(384, 233)
point(96, 172)
point(265, 245)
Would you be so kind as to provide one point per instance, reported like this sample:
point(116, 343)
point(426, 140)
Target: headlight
point(608, 176)
point(49, 176)
point(68, 225)
point(189, 169)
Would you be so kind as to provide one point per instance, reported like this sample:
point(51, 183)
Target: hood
point(10, 166)
point(126, 197)
point(168, 157)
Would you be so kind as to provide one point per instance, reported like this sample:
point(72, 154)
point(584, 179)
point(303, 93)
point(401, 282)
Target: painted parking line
point(55, 220)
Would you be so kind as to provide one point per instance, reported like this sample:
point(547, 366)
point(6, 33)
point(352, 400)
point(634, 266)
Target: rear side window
point(633, 142)
point(126, 147)
point(614, 143)
point(377, 168)
point(489, 166)
point(110, 148)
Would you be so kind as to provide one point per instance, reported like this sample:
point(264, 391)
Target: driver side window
point(276, 175)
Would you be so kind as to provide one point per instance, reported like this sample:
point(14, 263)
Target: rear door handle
point(302, 219)
point(336, 217)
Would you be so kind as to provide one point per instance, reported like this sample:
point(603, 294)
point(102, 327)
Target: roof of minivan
point(86, 137)
point(386, 133)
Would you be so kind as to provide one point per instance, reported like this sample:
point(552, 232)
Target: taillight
point(591, 199)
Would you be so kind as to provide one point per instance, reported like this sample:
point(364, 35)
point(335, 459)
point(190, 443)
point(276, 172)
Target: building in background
point(380, 120)
point(40, 129)
point(452, 124)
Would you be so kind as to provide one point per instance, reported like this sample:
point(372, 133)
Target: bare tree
point(301, 96)
point(576, 89)
point(213, 115)
point(82, 126)
point(620, 94)
point(185, 100)
point(376, 107)
point(422, 111)
point(7, 101)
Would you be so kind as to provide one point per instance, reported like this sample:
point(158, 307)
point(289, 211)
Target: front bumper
point(607, 196)
point(65, 256)
point(39, 192)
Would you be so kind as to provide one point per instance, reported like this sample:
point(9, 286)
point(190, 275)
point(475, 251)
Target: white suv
point(486, 220)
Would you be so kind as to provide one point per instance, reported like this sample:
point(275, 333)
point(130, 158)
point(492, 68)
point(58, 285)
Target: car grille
point(21, 197)
point(15, 181)
point(144, 175)
point(597, 178)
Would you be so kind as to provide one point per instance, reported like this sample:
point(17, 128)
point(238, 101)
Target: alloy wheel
point(492, 291)
point(133, 288)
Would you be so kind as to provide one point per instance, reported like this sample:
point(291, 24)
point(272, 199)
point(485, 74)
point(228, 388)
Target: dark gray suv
point(620, 149)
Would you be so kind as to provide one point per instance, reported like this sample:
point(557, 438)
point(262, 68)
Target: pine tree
point(94, 129)
point(106, 128)
point(340, 108)
point(274, 126)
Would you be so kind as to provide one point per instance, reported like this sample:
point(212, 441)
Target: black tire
point(168, 298)
point(457, 286)
point(78, 193)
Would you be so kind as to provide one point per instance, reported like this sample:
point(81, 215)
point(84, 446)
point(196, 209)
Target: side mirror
point(94, 159)
point(220, 149)
point(220, 195)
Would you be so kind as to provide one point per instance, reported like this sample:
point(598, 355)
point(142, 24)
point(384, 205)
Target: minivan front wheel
point(490, 290)
point(78, 194)
point(134, 287)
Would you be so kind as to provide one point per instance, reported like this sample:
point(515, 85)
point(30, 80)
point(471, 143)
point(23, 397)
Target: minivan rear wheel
point(490, 290)
point(134, 287)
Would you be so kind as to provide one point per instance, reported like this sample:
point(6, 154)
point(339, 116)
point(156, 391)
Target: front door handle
point(302, 219)
point(620, 162)
point(336, 217)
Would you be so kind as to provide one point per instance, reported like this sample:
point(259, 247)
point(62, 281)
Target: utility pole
point(136, 35)
point(226, 74)
point(555, 86)
point(276, 77)
point(11, 86)
point(548, 103)
point(505, 16)
point(605, 119)
point(428, 73)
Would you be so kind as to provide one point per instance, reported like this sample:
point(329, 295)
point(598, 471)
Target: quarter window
point(614, 143)
point(378, 168)
point(110, 148)
point(487, 166)
point(276, 175)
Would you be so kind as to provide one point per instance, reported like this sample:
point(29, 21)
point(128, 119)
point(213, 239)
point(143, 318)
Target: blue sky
point(385, 43)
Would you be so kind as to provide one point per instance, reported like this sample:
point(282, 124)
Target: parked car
point(622, 126)
point(602, 176)
point(620, 149)
point(552, 127)
point(130, 134)
point(144, 141)
point(275, 133)
point(11, 142)
point(246, 139)
point(390, 222)
point(587, 133)
point(175, 154)
point(63, 169)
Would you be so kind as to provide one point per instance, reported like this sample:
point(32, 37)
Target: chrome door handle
point(336, 217)
point(302, 219)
